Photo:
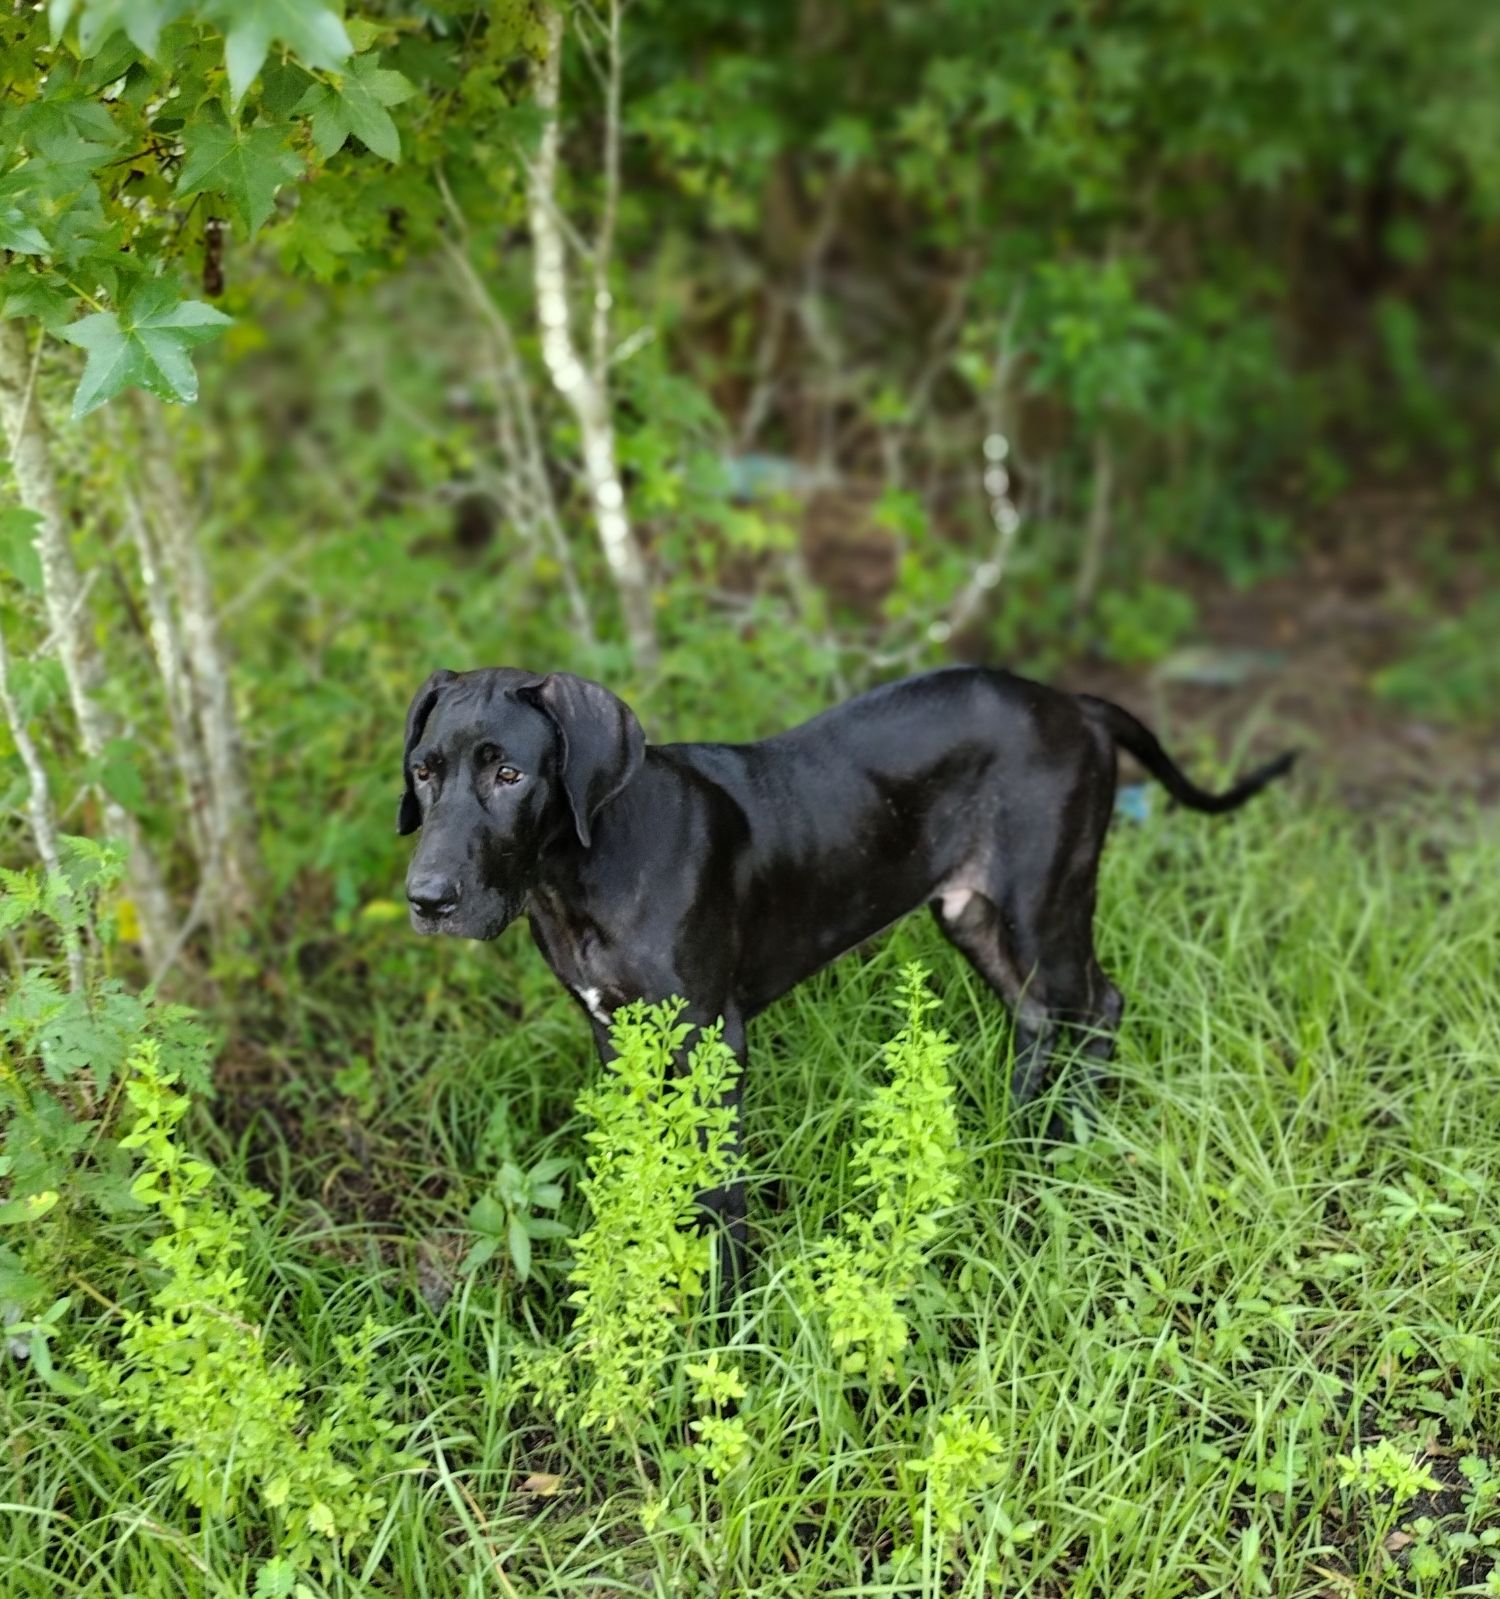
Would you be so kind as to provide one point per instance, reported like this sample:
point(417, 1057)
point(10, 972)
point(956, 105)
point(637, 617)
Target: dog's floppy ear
point(409, 814)
point(600, 739)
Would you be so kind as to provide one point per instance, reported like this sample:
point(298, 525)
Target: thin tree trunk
point(231, 812)
point(36, 484)
point(585, 387)
point(177, 688)
point(39, 805)
point(604, 239)
point(1005, 515)
point(520, 438)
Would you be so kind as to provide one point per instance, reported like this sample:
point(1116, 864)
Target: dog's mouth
point(463, 924)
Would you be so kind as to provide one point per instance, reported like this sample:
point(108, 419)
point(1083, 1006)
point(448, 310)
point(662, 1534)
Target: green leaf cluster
point(134, 130)
point(95, 1087)
point(661, 1132)
point(503, 1216)
point(64, 1172)
point(907, 1178)
point(195, 1369)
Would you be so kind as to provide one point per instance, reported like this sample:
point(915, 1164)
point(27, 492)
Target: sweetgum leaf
point(312, 32)
point(144, 345)
point(246, 165)
point(358, 106)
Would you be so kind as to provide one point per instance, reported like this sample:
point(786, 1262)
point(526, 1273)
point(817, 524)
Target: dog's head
point(502, 767)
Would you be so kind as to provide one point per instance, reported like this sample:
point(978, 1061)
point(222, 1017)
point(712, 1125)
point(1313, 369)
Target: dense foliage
point(741, 355)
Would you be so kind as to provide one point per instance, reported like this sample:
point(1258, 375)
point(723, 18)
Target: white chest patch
point(593, 1003)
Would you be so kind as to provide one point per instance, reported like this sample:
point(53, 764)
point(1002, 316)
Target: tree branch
point(519, 431)
point(231, 811)
point(604, 239)
point(36, 484)
point(171, 661)
point(585, 391)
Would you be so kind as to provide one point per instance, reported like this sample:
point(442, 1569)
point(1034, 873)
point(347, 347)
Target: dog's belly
point(762, 983)
point(801, 915)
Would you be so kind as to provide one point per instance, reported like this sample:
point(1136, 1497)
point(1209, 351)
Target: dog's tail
point(1142, 743)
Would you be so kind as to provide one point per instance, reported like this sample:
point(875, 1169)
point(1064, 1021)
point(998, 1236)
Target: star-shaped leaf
point(145, 345)
point(64, 161)
point(23, 293)
point(17, 234)
point(246, 165)
point(310, 30)
point(357, 106)
point(100, 20)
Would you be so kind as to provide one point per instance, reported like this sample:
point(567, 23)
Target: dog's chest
point(600, 999)
point(580, 960)
point(592, 1000)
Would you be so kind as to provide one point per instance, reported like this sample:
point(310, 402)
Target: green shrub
point(1141, 625)
point(61, 1070)
point(1452, 673)
point(195, 1369)
point(962, 1473)
point(94, 1096)
point(660, 1134)
point(907, 1177)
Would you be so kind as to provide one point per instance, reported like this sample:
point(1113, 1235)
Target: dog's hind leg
point(1030, 936)
point(1053, 918)
point(1084, 1001)
point(1050, 848)
point(1101, 1022)
point(972, 924)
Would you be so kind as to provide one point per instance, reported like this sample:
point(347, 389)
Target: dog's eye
point(507, 774)
point(421, 773)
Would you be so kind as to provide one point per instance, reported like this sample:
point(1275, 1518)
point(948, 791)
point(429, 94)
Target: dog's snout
point(432, 895)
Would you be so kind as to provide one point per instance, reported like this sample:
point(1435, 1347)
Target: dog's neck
point(576, 899)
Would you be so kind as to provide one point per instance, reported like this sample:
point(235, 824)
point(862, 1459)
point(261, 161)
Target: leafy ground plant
point(907, 1169)
point(505, 1214)
point(95, 1094)
point(1450, 673)
point(194, 1369)
point(661, 1132)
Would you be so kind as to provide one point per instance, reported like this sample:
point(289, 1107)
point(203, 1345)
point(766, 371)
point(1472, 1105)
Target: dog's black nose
point(432, 896)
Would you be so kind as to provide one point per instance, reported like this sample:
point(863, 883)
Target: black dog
point(727, 873)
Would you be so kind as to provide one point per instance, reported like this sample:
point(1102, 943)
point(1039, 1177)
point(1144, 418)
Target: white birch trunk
point(583, 387)
point(527, 488)
point(177, 689)
point(36, 484)
point(230, 812)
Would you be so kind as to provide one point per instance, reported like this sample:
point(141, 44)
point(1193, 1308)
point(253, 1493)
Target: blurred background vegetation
point(1150, 345)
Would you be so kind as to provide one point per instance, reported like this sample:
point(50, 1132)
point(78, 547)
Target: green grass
point(1282, 1243)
